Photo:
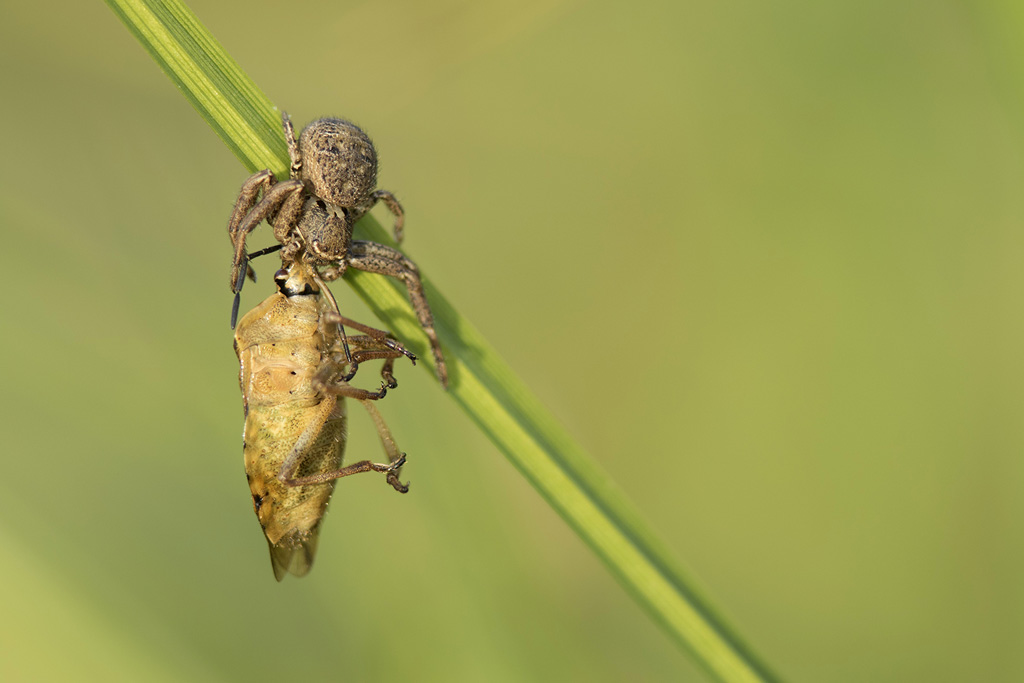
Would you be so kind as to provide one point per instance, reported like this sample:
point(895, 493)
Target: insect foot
point(392, 477)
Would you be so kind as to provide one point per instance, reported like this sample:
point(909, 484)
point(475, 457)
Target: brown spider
point(333, 175)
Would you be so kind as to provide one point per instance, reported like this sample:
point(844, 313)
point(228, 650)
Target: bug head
point(298, 279)
point(339, 162)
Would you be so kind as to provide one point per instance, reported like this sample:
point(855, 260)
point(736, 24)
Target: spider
point(331, 186)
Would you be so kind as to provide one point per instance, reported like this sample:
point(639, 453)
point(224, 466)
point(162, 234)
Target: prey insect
point(295, 365)
point(332, 185)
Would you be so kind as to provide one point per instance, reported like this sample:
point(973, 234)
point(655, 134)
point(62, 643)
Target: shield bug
point(295, 365)
point(331, 186)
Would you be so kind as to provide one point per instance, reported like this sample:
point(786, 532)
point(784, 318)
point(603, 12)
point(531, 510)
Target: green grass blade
point(210, 79)
point(490, 393)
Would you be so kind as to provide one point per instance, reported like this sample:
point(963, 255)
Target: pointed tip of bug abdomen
point(292, 556)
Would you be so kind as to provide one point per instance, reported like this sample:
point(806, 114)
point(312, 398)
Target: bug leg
point(395, 457)
point(374, 345)
point(391, 469)
point(374, 337)
point(386, 354)
point(338, 321)
point(312, 430)
point(390, 201)
point(378, 258)
point(387, 372)
point(241, 279)
point(302, 444)
point(329, 379)
point(380, 354)
point(329, 384)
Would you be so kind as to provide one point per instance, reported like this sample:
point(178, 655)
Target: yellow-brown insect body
point(280, 345)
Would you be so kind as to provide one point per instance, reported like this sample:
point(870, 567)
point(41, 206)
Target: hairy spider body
point(340, 162)
point(292, 370)
point(333, 176)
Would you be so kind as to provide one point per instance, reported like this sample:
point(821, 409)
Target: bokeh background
point(764, 260)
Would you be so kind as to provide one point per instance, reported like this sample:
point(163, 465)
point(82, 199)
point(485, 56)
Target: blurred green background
point(762, 259)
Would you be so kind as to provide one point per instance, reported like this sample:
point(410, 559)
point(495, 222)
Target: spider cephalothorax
point(332, 185)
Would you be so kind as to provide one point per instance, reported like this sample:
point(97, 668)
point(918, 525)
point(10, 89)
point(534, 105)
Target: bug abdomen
point(279, 348)
point(291, 515)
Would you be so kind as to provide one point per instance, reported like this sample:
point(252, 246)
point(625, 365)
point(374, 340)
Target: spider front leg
point(378, 258)
point(282, 201)
point(247, 196)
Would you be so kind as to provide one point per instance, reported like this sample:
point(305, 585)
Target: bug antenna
point(264, 252)
point(341, 328)
point(242, 272)
point(234, 309)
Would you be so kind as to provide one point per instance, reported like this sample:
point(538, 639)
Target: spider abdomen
point(338, 161)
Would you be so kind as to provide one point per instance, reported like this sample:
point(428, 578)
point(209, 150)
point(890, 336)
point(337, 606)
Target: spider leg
point(251, 189)
point(363, 207)
point(378, 258)
point(247, 196)
point(272, 201)
point(293, 146)
point(288, 217)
